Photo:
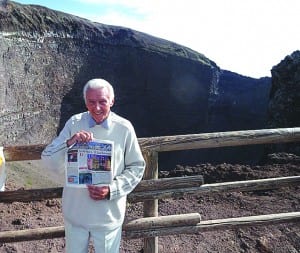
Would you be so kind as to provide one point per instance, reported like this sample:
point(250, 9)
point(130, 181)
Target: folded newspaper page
point(89, 163)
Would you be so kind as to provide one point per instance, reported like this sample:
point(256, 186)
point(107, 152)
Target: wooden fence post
point(151, 206)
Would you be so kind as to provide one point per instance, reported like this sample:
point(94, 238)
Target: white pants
point(104, 241)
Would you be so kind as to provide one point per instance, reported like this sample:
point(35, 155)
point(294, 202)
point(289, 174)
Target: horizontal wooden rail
point(162, 184)
point(221, 139)
point(142, 223)
point(181, 142)
point(163, 221)
point(32, 234)
point(213, 225)
point(152, 231)
point(23, 152)
point(251, 185)
point(241, 186)
point(196, 187)
point(169, 183)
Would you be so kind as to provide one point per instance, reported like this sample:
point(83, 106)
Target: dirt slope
point(263, 239)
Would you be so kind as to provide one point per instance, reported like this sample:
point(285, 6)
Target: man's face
point(98, 103)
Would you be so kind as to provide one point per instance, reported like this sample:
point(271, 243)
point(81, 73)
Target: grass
point(31, 175)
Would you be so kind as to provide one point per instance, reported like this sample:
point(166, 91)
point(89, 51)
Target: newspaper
point(89, 163)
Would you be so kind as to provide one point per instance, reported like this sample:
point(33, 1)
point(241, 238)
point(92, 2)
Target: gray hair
point(98, 83)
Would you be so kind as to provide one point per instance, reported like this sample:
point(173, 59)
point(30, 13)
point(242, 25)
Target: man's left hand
point(98, 192)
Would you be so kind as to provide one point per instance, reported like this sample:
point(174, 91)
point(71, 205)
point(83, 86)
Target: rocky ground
point(281, 238)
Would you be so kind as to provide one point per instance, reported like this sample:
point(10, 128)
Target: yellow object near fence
point(2, 170)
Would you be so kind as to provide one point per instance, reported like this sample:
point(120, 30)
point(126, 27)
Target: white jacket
point(129, 165)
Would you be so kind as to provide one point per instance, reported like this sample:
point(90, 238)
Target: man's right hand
point(80, 137)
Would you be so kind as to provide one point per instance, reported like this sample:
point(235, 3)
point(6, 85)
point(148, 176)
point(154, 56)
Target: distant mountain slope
point(162, 87)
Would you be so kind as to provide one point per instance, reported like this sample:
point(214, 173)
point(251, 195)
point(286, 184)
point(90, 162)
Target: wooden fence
point(151, 188)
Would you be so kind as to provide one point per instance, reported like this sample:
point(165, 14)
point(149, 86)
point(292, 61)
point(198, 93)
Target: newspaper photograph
point(89, 163)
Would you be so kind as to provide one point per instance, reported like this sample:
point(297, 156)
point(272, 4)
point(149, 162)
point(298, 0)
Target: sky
point(247, 37)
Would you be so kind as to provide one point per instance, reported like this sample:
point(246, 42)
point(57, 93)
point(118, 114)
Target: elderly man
point(97, 212)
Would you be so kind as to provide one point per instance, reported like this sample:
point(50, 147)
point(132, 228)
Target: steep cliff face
point(162, 87)
point(241, 103)
point(47, 57)
point(284, 106)
point(284, 110)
